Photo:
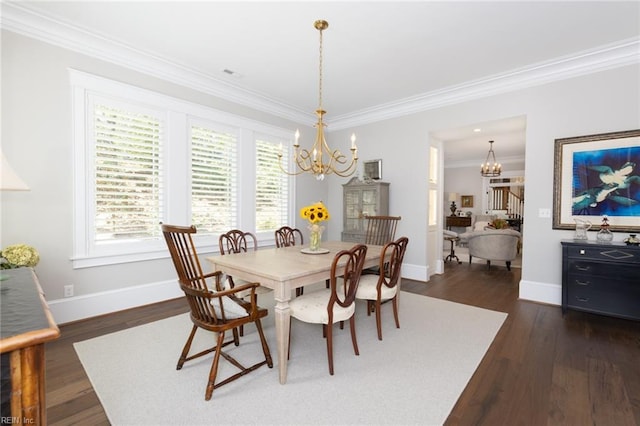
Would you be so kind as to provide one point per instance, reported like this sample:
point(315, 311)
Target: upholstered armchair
point(493, 244)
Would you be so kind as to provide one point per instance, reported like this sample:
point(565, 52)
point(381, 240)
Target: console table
point(458, 221)
point(25, 325)
point(601, 278)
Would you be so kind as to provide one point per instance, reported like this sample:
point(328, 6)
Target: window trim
point(179, 114)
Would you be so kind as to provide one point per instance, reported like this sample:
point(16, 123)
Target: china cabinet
point(360, 199)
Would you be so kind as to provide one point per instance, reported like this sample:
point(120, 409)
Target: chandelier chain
point(320, 74)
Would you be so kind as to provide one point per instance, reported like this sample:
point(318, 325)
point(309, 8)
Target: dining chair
point(335, 304)
point(216, 311)
point(378, 288)
point(237, 241)
point(381, 229)
point(287, 236)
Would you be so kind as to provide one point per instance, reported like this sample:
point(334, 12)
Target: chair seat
point(312, 308)
point(368, 289)
point(231, 309)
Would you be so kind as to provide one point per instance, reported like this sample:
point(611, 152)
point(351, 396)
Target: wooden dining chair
point(381, 229)
point(378, 288)
point(237, 241)
point(216, 311)
point(335, 304)
point(287, 236)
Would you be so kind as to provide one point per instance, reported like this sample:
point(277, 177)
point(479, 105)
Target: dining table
point(284, 269)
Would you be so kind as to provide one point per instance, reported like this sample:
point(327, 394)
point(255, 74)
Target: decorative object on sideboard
point(604, 235)
point(313, 161)
point(582, 226)
point(632, 240)
point(490, 167)
point(453, 196)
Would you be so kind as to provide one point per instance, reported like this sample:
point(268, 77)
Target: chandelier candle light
point(491, 167)
point(321, 160)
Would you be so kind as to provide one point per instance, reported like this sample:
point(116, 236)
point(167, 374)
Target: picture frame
point(373, 169)
point(596, 176)
point(466, 201)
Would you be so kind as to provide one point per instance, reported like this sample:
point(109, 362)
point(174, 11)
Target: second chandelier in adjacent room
point(490, 167)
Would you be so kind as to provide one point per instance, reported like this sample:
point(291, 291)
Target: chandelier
point(490, 167)
point(321, 160)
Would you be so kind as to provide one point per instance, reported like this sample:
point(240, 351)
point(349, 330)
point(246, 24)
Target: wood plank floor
point(542, 368)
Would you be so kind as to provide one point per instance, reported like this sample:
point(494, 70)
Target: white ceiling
point(377, 55)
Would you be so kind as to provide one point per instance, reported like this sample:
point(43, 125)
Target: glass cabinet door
point(369, 202)
point(352, 210)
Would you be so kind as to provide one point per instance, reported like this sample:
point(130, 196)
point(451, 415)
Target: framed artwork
point(373, 169)
point(596, 176)
point(466, 201)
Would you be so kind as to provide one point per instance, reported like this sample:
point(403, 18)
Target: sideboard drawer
point(601, 278)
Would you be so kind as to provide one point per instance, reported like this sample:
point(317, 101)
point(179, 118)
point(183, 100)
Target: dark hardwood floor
point(542, 368)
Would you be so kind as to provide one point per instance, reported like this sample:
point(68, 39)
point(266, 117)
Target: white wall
point(36, 138)
point(603, 102)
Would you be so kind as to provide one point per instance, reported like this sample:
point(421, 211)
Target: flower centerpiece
point(314, 214)
point(18, 255)
point(499, 224)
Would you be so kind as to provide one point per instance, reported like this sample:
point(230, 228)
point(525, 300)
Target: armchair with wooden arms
point(216, 311)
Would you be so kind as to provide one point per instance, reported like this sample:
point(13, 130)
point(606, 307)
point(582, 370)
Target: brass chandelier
point(321, 160)
point(490, 167)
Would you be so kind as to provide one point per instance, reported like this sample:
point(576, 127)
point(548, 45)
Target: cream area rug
point(413, 376)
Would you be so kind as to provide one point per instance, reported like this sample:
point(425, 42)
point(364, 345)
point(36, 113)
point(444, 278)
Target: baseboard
point(541, 292)
point(91, 305)
point(415, 272)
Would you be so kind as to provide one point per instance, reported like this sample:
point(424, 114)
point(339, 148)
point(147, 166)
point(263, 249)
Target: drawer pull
point(582, 299)
point(583, 282)
point(583, 268)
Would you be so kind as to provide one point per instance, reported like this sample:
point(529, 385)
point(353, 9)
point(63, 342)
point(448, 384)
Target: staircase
point(506, 202)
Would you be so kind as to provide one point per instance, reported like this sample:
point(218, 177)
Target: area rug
point(413, 376)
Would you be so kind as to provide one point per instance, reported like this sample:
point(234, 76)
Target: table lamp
point(9, 181)
point(453, 196)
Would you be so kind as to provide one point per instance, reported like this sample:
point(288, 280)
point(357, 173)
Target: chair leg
point(394, 302)
point(352, 323)
point(214, 367)
point(185, 350)
point(488, 265)
point(299, 291)
point(329, 332)
point(469, 259)
point(508, 265)
point(265, 347)
point(379, 319)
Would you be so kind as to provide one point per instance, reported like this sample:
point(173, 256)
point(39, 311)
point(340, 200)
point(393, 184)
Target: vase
point(604, 235)
point(315, 236)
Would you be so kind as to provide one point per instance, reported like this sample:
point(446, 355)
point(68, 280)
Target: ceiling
point(378, 56)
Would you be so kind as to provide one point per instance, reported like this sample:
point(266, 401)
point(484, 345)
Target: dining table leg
point(283, 318)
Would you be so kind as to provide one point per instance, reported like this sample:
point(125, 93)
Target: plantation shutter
point(128, 173)
point(272, 187)
point(214, 189)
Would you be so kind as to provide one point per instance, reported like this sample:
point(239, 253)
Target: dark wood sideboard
point(601, 278)
point(25, 325)
point(458, 221)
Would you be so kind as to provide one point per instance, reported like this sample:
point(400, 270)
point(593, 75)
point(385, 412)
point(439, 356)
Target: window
point(213, 179)
point(272, 187)
point(142, 158)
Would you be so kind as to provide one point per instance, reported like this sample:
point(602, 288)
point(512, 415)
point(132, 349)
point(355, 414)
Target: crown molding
point(619, 54)
point(21, 20)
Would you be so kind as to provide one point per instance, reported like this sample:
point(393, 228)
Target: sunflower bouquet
point(18, 255)
point(314, 214)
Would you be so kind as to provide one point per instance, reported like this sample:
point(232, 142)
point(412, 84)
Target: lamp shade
point(453, 196)
point(9, 180)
